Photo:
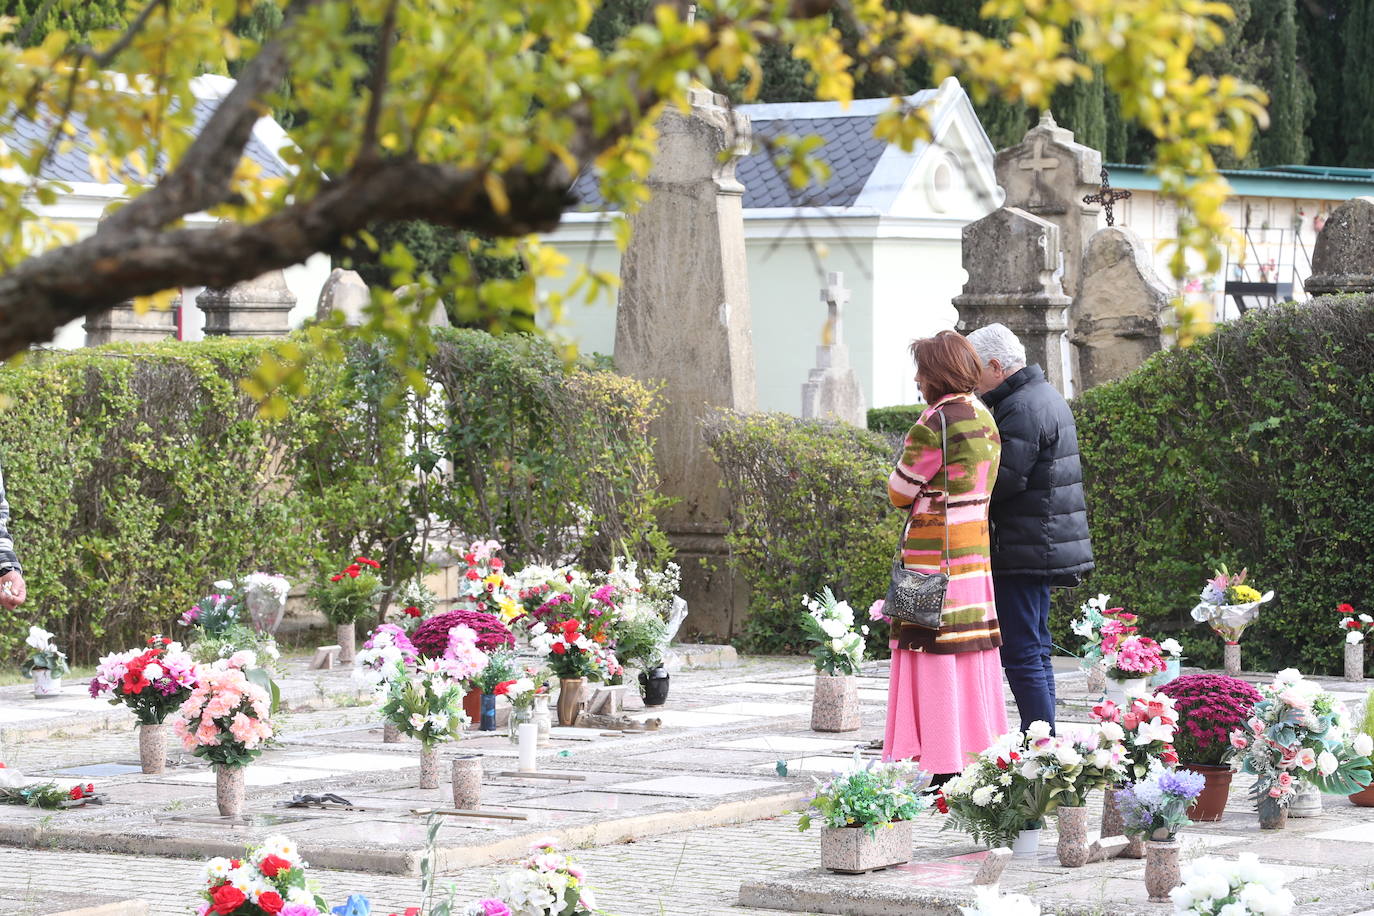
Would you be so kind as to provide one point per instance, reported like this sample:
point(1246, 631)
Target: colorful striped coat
point(967, 473)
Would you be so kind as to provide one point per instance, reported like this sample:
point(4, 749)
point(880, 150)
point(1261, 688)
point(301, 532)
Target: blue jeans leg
point(1023, 613)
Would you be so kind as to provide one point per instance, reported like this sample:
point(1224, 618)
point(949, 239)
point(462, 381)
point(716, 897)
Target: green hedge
point(1254, 447)
point(895, 420)
point(138, 475)
point(809, 510)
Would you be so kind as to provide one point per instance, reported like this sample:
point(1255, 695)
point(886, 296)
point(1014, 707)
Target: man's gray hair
point(996, 341)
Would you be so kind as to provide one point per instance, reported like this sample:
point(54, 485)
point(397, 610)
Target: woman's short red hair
point(947, 363)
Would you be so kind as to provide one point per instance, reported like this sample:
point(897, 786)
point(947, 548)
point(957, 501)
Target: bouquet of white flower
point(1213, 886)
point(839, 647)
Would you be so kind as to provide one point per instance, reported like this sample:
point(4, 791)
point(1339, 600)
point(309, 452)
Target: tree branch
point(104, 58)
point(367, 150)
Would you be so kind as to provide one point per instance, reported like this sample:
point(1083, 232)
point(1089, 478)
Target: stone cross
point(836, 297)
point(1106, 196)
point(1115, 323)
point(832, 390)
point(1037, 165)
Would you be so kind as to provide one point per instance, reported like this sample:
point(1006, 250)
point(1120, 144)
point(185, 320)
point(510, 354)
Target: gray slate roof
point(73, 165)
point(850, 150)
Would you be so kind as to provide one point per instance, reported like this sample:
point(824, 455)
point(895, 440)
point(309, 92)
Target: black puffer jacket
point(1039, 520)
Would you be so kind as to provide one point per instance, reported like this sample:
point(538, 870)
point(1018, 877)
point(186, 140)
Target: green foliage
point(501, 667)
point(640, 639)
point(37, 795)
point(1254, 448)
point(895, 420)
point(349, 599)
point(809, 511)
point(1367, 722)
point(870, 798)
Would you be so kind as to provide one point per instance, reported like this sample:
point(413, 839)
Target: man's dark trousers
point(1023, 613)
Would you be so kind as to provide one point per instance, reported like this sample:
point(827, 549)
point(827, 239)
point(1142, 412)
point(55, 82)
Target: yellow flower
point(509, 609)
point(1244, 594)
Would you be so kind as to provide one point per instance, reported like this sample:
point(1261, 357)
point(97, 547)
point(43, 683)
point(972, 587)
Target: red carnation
point(76, 792)
point(273, 864)
point(1345, 608)
point(412, 612)
point(560, 649)
point(366, 562)
point(1352, 624)
point(271, 902)
point(502, 688)
point(474, 574)
point(226, 898)
point(470, 558)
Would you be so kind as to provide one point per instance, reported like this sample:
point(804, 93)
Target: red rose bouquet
point(350, 593)
point(269, 881)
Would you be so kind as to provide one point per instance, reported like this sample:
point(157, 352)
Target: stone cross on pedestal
point(832, 390)
point(1038, 164)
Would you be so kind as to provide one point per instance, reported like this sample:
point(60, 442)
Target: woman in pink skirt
point(945, 700)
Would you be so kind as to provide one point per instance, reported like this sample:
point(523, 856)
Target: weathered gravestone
point(1011, 258)
point(437, 314)
point(257, 308)
point(1343, 257)
point(832, 391)
point(1115, 321)
point(683, 321)
point(346, 293)
point(123, 323)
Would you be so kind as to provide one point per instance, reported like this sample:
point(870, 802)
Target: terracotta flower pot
point(472, 705)
point(835, 703)
point(851, 851)
point(570, 699)
point(346, 636)
point(229, 782)
point(1073, 836)
point(152, 748)
point(1161, 868)
point(1272, 815)
point(1364, 798)
point(1211, 804)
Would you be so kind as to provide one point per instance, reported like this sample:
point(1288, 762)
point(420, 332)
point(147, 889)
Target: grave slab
point(821, 764)
point(591, 801)
point(260, 775)
point(758, 689)
point(790, 744)
point(685, 718)
point(100, 770)
point(697, 785)
point(713, 757)
point(768, 710)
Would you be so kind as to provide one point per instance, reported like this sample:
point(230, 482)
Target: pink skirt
point(942, 709)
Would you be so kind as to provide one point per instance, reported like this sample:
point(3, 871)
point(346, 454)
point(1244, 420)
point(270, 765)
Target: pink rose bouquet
point(226, 718)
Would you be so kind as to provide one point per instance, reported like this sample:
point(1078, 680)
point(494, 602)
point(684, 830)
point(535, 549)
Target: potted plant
point(500, 669)
point(1000, 798)
point(1213, 885)
point(225, 721)
point(46, 664)
point(867, 815)
point(1131, 661)
point(837, 654)
point(264, 595)
point(1228, 605)
point(1363, 744)
point(1209, 708)
point(1154, 809)
point(640, 641)
point(1146, 726)
point(152, 682)
point(431, 639)
point(1354, 626)
point(347, 597)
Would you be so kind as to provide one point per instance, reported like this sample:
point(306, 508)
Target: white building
point(889, 220)
point(87, 200)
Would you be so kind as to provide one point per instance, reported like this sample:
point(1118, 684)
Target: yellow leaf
point(496, 192)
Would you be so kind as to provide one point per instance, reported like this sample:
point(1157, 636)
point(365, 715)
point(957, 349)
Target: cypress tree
point(78, 18)
point(1322, 58)
point(1290, 93)
point(1357, 84)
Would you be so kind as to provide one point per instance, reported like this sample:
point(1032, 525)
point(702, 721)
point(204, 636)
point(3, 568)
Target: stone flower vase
point(1231, 659)
point(391, 733)
point(1354, 661)
point(44, 684)
point(1112, 825)
point(429, 766)
point(1306, 803)
point(570, 699)
point(345, 634)
point(1210, 805)
point(467, 782)
point(1073, 836)
point(835, 703)
point(229, 783)
point(152, 748)
point(1272, 815)
point(851, 851)
point(1161, 868)
point(1097, 678)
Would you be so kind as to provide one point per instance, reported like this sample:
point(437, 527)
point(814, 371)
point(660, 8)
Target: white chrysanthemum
point(217, 868)
point(982, 796)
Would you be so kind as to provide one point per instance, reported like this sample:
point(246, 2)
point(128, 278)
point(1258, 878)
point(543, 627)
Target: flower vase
point(541, 717)
point(1161, 868)
point(653, 686)
point(1026, 845)
point(44, 684)
point(152, 748)
point(835, 703)
point(467, 782)
point(229, 790)
point(570, 699)
point(1170, 672)
point(1097, 679)
point(1117, 689)
point(1306, 803)
point(264, 609)
point(488, 717)
point(429, 766)
point(1073, 836)
point(345, 634)
point(1113, 825)
point(519, 715)
point(853, 851)
point(1231, 659)
point(1272, 815)
point(391, 733)
point(1354, 661)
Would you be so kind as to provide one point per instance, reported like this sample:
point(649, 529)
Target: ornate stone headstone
point(833, 390)
point(343, 292)
point(1012, 259)
point(1343, 257)
point(257, 308)
point(122, 324)
point(1047, 174)
point(684, 321)
point(1115, 323)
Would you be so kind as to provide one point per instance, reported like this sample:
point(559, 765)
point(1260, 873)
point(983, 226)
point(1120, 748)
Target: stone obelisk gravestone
point(1343, 257)
point(1012, 259)
point(122, 323)
point(1115, 321)
point(257, 308)
point(832, 391)
point(683, 322)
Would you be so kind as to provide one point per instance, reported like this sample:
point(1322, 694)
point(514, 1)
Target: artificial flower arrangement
point(571, 653)
point(998, 794)
point(431, 638)
point(1093, 613)
point(264, 595)
point(226, 718)
point(1145, 726)
point(46, 656)
point(47, 795)
point(1354, 625)
point(217, 631)
point(596, 608)
point(1134, 656)
point(412, 603)
point(1228, 605)
point(152, 682)
point(1155, 808)
point(388, 654)
point(1222, 887)
point(1298, 733)
point(484, 585)
point(1072, 764)
point(829, 623)
point(425, 699)
point(1208, 708)
point(501, 669)
point(869, 797)
point(990, 901)
point(269, 881)
point(351, 593)
point(548, 883)
point(535, 584)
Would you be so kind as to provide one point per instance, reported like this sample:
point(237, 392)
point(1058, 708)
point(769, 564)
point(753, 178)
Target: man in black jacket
point(1038, 518)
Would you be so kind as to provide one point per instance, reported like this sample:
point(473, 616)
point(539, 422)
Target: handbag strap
point(911, 515)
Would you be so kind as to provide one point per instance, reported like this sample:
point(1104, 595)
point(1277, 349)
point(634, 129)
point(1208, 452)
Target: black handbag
point(918, 598)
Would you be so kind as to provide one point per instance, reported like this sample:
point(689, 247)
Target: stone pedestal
point(1011, 258)
point(258, 308)
point(683, 322)
point(832, 390)
point(346, 293)
point(1343, 256)
point(1115, 318)
point(121, 324)
point(1354, 661)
